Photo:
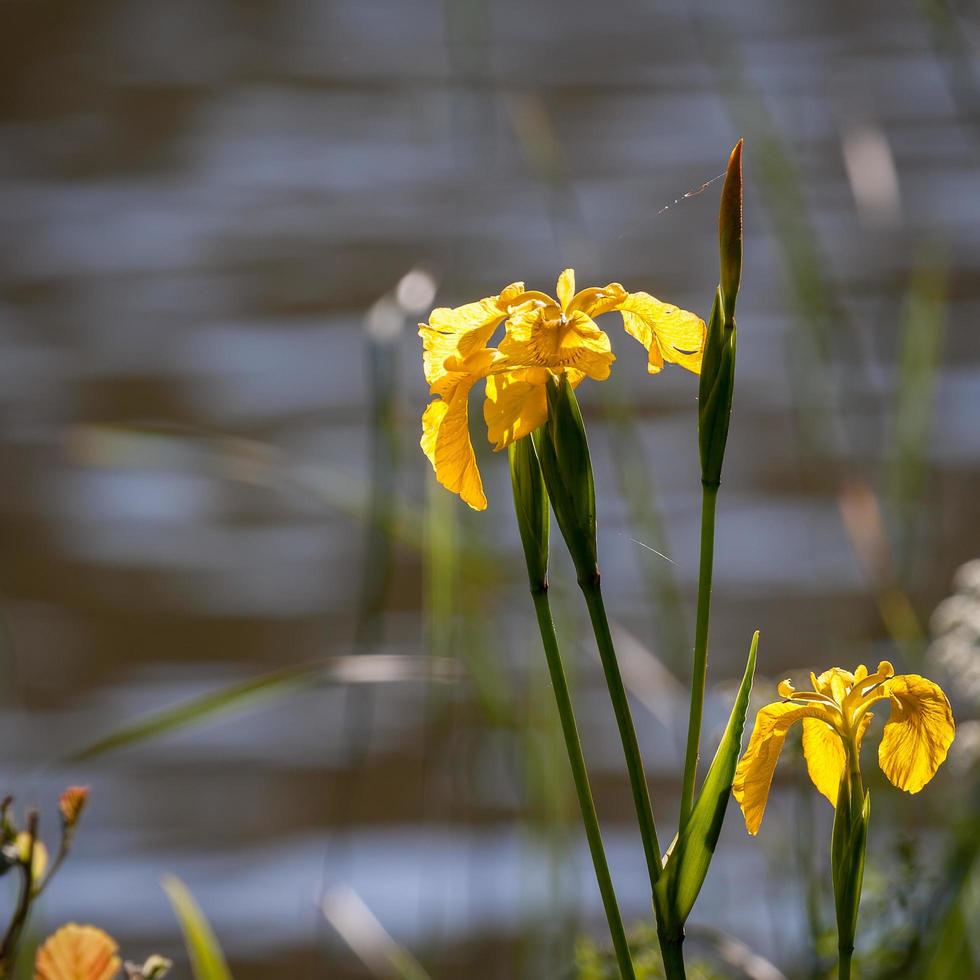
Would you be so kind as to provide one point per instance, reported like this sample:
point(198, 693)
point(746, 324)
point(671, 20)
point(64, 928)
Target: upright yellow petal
point(753, 776)
point(667, 332)
point(446, 442)
point(835, 683)
point(566, 287)
point(826, 757)
point(77, 953)
point(516, 405)
point(918, 732)
point(544, 337)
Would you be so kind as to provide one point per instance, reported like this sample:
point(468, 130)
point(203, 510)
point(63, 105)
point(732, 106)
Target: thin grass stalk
point(580, 776)
point(709, 500)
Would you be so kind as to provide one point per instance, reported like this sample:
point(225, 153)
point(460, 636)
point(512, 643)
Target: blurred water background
point(221, 220)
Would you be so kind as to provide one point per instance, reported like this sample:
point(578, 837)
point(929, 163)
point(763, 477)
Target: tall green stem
point(580, 775)
point(709, 498)
point(844, 967)
point(627, 732)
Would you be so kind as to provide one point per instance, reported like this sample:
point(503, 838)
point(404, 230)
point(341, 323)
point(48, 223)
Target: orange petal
point(77, 953)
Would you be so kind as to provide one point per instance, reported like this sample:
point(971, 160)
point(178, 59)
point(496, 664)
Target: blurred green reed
point(206, 958)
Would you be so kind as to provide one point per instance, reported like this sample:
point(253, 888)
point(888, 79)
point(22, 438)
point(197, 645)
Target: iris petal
point(566, 287)
point(825, 755)
point(446, 442)
point(753, 777)
point(516, 405)
point(918, 732)
point(667, 332)
point(77, 953)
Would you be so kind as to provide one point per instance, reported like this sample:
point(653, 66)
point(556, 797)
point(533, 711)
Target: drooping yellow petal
point(446, 442)
point(458, 332)
point(826, 757)
point(516, 405)
point(77, 953)
point(918, 732)
point(667, 332)
point(566, 287)
point(541, 336)
point(753, 776)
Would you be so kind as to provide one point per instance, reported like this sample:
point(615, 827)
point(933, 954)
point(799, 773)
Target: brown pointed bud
point(730, 233)
point(71, 803)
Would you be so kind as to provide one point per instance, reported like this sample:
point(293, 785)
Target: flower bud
point(718, 365)
point(531, 508)
point(563, 451)
point(71, 803)
point(730, 233)
point(38, 857)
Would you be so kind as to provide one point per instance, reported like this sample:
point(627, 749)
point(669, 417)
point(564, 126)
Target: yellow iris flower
point(542, 335)
point(835, 717)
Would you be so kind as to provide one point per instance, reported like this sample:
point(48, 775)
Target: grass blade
point(207, 960)
point(363, 669)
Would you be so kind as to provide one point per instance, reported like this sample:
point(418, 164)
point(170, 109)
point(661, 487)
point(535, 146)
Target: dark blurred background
point(220, 223)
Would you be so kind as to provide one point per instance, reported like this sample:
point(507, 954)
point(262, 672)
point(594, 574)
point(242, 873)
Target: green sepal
point(690, 854)
point(717, 384)
point(563, 452)
point(717, 380)
point(531, 508)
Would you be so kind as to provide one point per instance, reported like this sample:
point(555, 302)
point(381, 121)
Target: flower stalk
point(716, 387)
point(566, 465)
point(531, 508)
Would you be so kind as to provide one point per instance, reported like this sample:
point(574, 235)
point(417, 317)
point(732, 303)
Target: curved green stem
point(580, 775)
point(627, 732)
point(709, 498)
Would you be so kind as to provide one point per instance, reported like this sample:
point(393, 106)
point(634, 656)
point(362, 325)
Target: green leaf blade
point(691, 854)
point(207, 959)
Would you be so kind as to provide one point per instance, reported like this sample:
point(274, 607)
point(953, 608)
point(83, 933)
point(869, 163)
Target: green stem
point(624, 719)
point(580, 775)
point(844, 963)
point(672, 951)
point(709, 498)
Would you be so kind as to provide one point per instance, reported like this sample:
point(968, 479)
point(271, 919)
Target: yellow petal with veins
point(446, 442)
point(918, 732)
point(825, 755)
point(77, 953)
point(516, 405)
point(667, 332)
point(566, 287)
point(753, 776)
